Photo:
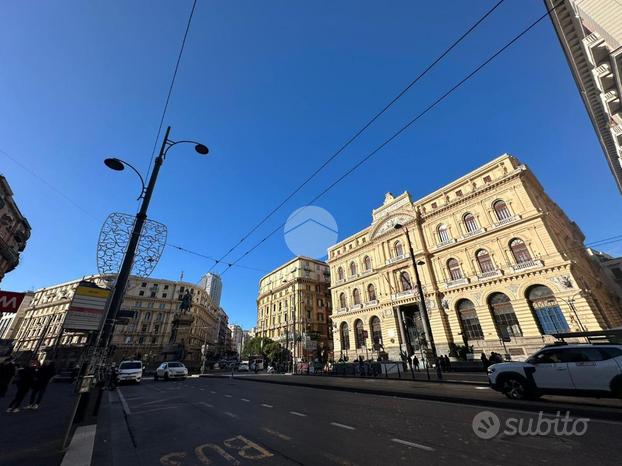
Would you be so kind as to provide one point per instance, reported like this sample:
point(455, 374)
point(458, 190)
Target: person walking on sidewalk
point(416, 362)
point(485, 362)
point(23, 381)
point(40, 383)
point(7, 371)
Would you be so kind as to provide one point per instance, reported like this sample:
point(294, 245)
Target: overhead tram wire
point(405, 127)
point(361, 130)
point(170, 89)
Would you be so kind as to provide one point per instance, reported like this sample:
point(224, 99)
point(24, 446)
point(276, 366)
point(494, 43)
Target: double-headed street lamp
point(424, 307)
point(141, 216)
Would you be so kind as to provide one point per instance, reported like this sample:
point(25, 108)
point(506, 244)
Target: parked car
point(579, 370)
point(170, 370)
point(243, 367)
point(130, 371)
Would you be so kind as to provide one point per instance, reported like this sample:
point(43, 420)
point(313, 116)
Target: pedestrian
point(439, 369)
point(40, 383)
point(416, 362)
point(485, 362)
point(7, 371)
point(447, 363)
point(23, 381)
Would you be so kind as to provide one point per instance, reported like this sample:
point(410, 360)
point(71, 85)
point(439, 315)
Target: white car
point(243, 366)
point(588, 370)
point(130, 371)
point(171, 370)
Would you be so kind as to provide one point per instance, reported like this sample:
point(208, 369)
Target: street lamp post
point(141, 216)
point(424, 307)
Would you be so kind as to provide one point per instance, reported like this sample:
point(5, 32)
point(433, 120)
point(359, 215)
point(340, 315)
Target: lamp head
point(115, 164)
point(201, 149)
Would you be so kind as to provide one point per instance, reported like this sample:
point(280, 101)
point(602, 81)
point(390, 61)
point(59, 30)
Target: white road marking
point(482, 388)
point(296, 413)
point(231, 414)
point(246, 400)
point(266, 406)
point(205, 404)
point(156, 409)
point(126, 408)
point(227, 396)
point(212, 392)
point(343, 426)
point(412, 444)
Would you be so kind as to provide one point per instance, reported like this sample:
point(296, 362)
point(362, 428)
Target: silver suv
point(586, 370)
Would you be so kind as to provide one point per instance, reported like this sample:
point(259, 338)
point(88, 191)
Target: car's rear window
point(175, 364)
point(130, 365)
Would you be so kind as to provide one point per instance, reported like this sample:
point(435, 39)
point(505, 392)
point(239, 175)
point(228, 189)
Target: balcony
point(457, 282)
point(403, 294)
point(489, 275)
point(356, 307)
point(371, 303)
point(342, 310)
point(532, 264)
point(366, 272)
point(469, 234)
point(399, 258)
point(339, 282)
point(505, 221)
point(602, 70)
point(353, 276)
point(444, 243)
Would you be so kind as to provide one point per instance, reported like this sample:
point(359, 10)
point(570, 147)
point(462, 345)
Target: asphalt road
point(228, 421)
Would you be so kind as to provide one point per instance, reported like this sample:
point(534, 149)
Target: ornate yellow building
point(501, 265)
point(294, 305)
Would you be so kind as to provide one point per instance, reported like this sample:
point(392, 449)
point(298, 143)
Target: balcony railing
point(444, 243)
point(354, 276)
point(339, 282)
point(527, 265)
point(403, 294)
point(505, 221)
point(457, 282)
point(477, 231)
point(490, 274)
point(373, 302)
point(342, 310)
point(356, 307)
point(366, 272)
point(602, 70)
point(393, 260)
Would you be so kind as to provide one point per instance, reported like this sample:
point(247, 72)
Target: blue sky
point(273, 88)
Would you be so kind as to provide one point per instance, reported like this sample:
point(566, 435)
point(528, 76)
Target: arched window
point(520, 251)
point(550, 317)
point(342, 301)
point(344, 335)
point(484, 261)
point(469, 322)
point(367, 263)
point(359, 334)
point(504, 316)
point(501, 210)
point(443, 233)
point(356, 296)
point(469, 222)
point(376, 333)
point(405, 282)
point(371, 292)
point(352, 268)
point(340, 275)
point(398, 249)
point(454, 269)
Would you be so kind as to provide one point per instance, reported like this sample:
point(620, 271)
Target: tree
point(256, 346)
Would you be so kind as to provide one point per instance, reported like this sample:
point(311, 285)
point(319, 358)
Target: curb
point(608, 413)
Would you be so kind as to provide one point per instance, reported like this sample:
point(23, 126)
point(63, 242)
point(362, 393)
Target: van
point(130, 371)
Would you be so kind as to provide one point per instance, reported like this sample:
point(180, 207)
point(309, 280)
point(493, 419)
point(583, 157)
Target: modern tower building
point(212, 283)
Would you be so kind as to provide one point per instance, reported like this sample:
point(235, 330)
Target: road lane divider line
point(227, 396)
point(296, 413)
point(212, 392)
point(245, 400)
point(266, 406)
point(276, 434)
point(205, 404)
point(343, 426)
point(235, 416)
point(126, 408)
point(413, 444)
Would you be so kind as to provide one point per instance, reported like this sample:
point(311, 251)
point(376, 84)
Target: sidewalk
point(461, 393)
point(35, 437)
